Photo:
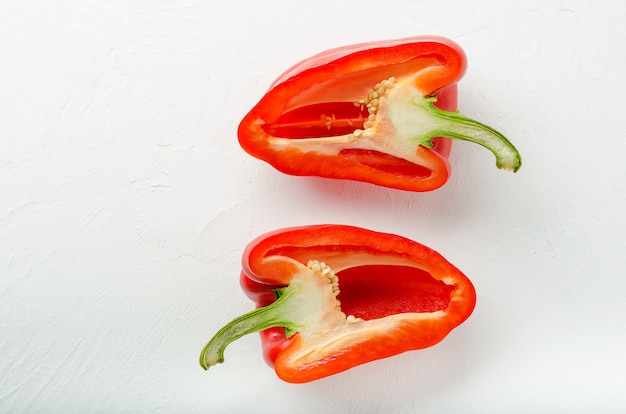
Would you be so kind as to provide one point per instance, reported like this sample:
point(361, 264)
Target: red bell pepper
point(396, 295)
point(372, 112)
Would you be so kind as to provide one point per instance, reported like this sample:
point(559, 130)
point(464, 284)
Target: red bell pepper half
point(331, 297)
point(372, 112)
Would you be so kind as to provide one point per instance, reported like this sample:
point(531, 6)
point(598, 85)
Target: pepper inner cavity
point(376, 291)
point(319, 121)
point(330, 119)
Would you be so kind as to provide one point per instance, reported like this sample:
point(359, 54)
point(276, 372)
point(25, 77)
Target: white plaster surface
point(126, 201)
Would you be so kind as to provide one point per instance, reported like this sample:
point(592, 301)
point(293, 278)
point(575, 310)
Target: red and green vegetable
point(374, 112)
point(331, 297)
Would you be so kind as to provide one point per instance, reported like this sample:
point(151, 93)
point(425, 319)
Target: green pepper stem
point(297, 309)
point(456, 126)
point(253, 321)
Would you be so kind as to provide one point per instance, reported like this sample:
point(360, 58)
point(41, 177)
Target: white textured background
point(126, 201)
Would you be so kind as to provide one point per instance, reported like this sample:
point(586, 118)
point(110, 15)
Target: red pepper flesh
point(374, 112)
point(331, 297)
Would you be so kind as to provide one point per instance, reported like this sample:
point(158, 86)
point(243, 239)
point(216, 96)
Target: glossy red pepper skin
point(427, 294)
point(342, 75)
